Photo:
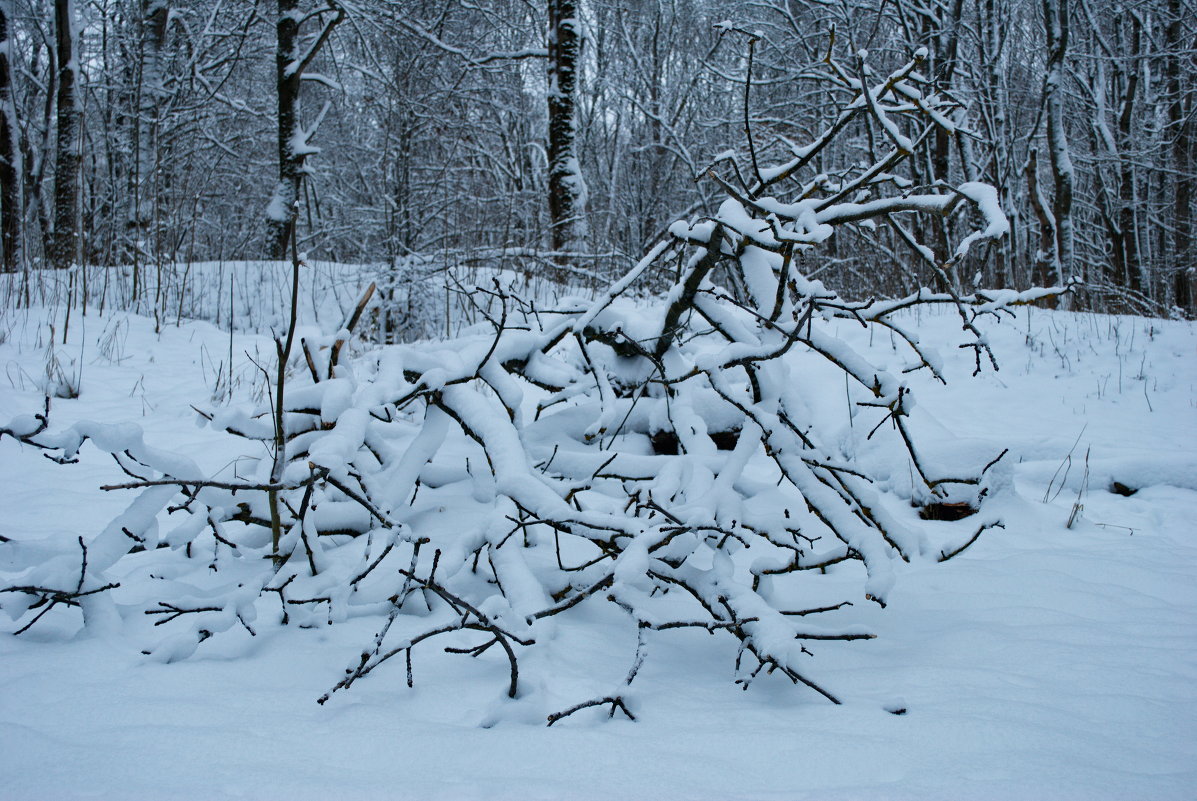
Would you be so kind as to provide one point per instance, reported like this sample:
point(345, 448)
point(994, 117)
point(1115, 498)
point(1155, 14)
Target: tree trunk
point(1180, 128)
point(293, 147)
point(991, 39)
point(1055, 19)
point(10, 166)
point(946, 41)
point(1041, 268)
point(1127, 219)
point(566, 187)
point(290, 164)
point(154, 16)
point(1119, 214)
point(67, 158)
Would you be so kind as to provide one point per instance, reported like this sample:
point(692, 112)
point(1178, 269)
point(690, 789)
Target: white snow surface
point(1044, 662)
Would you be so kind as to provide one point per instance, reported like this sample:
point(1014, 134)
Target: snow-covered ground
point(1045, 662)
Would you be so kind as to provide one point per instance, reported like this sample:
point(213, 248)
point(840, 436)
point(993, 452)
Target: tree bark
point(154, 17)
point(67, 157)
point(1180, 128)
point(10, 166)
point(1127, 221)
point(946, 40)
point(1055, 19)
point(1041, 268)
point(286, 192)
point(293, 147)
point(566, 187)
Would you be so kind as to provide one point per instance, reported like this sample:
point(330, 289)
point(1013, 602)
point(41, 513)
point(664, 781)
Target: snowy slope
point(1043, 662)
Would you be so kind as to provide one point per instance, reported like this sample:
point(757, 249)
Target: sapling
point(1078, 505)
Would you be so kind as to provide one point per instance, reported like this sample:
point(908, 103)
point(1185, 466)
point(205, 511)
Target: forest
point(591, 399)
point(567, 135)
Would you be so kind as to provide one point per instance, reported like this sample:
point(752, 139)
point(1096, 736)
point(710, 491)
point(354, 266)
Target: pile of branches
point(659, 457)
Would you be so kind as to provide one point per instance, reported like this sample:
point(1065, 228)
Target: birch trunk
point(1055, 18)
point(566, 187)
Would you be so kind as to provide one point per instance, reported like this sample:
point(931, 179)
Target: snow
point(279, 209)
point(996, 224)
point(1042, 662)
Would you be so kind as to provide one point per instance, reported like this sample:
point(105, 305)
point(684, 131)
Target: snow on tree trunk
point(1055, 18)
point(68, 158)
point(567, 189)
point(290, 164)
point(943, 31)
point(292, 58)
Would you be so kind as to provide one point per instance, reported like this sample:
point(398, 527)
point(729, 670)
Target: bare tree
point(567, 188)
point(10, 153)
point(152, 26)
point(67, 154)
point(1179, 72)
point(293, 57)
point(1055, 20)
point(445, 145)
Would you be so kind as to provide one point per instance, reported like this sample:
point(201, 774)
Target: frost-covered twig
point(47, 597)
point(616, 702)
point(667, 457)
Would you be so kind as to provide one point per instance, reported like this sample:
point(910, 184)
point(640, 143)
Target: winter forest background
point(159, 131)
point(599, 399)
